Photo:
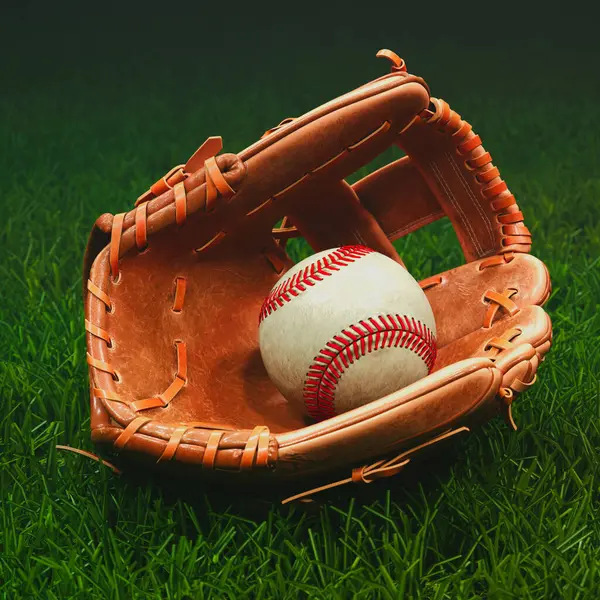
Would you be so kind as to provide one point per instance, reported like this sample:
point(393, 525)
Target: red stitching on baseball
point(385, 331)
point(324, 267)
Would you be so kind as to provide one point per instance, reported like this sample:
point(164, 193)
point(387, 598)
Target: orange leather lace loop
point(503, 342)
point(398, 63)
point(507, 396)
point(115, 244)
point(256, 452)
point(508, 240)
point(488, 175)
point(174, 176)
point(498, 301)
point(469, 145)
point(430, 282)
point(463, 130)
point(180, 203)
point(515, 230)
point(262, 451)
point(495, 190)
point(176, 386)
point(100, 365)
point(454, 123)
point(181, 361)
point(210, 452)
point(173, 443)
point(146, 404)
point(500, 203)
point(164, 184)
point(180, 287)
point(520, 386)
point(500, 344)
point(445, 115)
point(371, 473)
point(141, 228)
point(211, 146)
point(215, 184)
point(496, 260)
point(480, 161)
point(101, 295)
point(512, 217)
point(105, 395)
point(98, 332)
point(127, 433)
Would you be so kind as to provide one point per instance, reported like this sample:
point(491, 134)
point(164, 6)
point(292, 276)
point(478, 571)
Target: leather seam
point(456, 205)
point(417, 223)
point(471, 196)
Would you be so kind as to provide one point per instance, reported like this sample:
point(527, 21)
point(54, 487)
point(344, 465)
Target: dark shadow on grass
point(424, 476)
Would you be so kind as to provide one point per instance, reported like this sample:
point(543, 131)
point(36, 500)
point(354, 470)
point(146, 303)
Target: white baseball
point(344, 327)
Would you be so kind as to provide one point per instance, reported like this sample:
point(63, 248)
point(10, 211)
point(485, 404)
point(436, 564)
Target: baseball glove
point(173, 290)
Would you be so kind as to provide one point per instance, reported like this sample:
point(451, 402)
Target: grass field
point(501, 515)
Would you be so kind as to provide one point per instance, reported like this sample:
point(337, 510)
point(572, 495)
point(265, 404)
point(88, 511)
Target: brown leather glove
point(173, 291)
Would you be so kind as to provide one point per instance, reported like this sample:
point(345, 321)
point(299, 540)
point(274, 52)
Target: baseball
point(345, 327)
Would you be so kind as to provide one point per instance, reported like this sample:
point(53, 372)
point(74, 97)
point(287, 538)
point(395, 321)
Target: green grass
point(500, 515)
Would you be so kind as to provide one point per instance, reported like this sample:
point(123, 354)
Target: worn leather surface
point(228, 258)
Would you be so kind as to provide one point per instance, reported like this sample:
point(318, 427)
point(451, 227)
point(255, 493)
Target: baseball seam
point(355, 341)
point(309, 276)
